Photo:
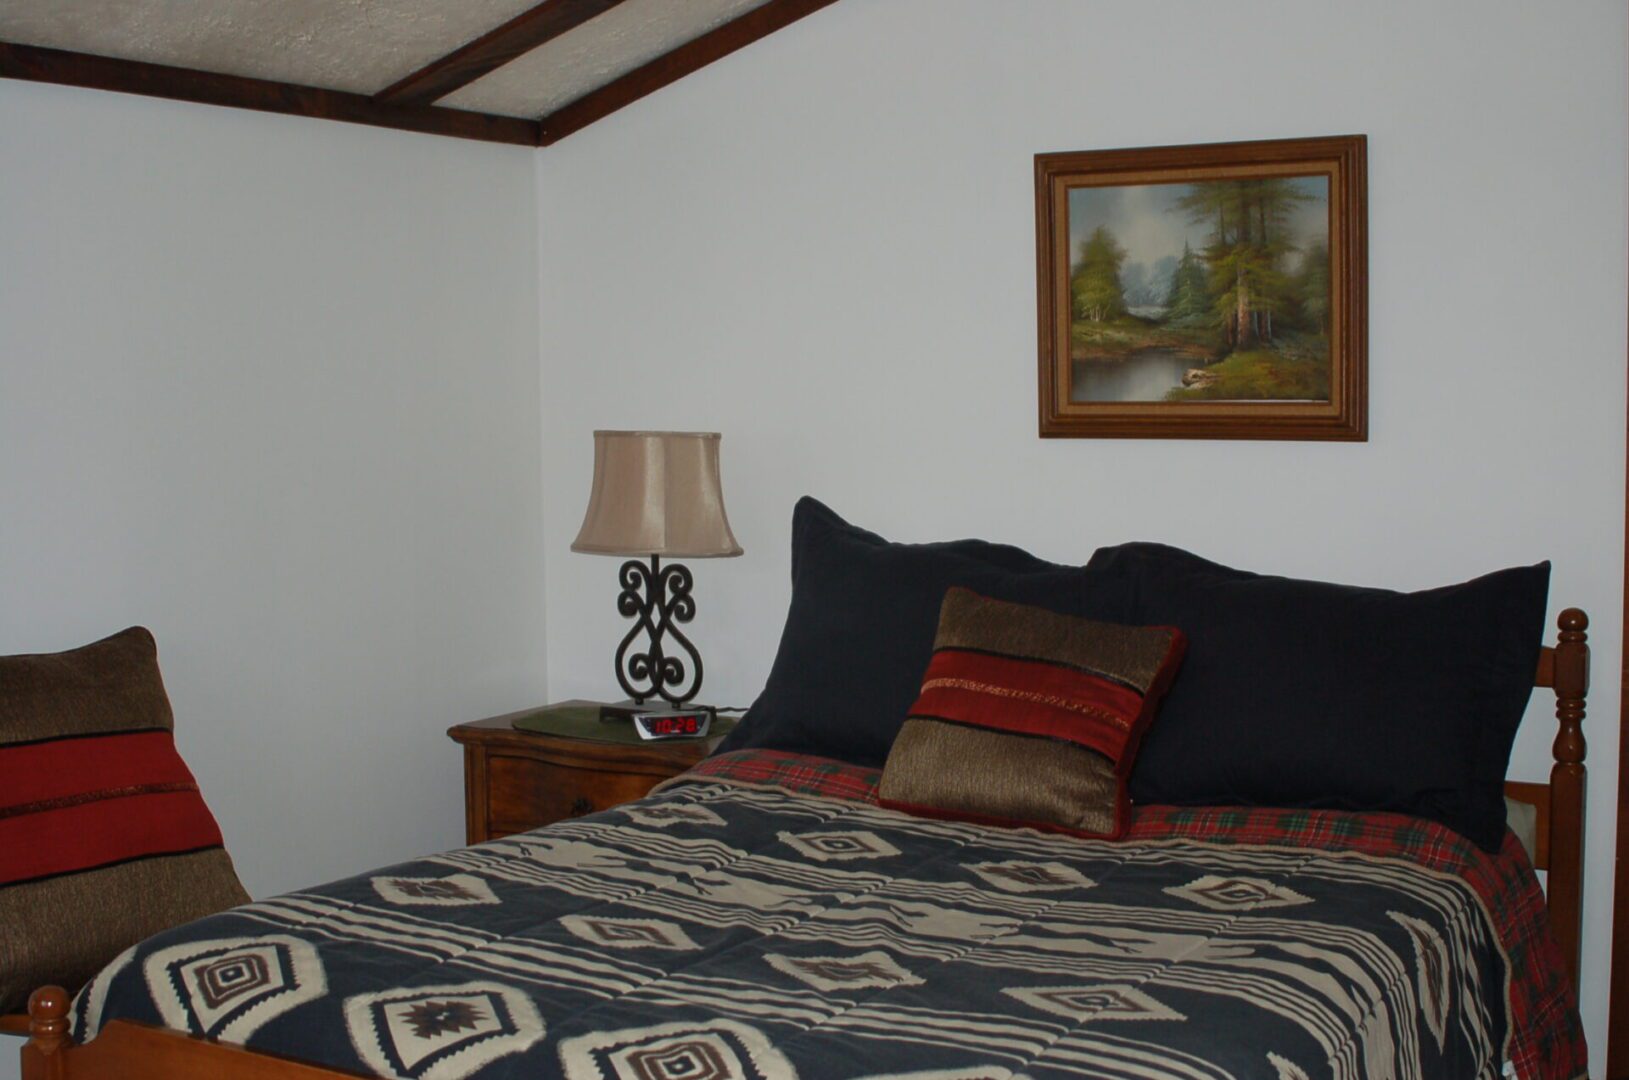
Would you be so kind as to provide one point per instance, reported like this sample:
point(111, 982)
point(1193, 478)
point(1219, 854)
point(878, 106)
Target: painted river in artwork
point(1143, 376)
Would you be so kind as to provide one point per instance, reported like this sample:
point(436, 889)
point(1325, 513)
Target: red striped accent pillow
point(104, 839)
point(80, 802)
point(1029, 718)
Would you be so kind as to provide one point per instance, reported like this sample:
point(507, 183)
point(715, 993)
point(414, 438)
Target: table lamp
point(656, 494)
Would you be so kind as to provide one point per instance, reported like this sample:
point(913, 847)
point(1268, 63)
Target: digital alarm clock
point(662, 722)
point(679, 724)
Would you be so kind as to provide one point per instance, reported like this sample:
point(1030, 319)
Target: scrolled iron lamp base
point(657, 598)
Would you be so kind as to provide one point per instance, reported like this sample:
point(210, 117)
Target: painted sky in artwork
point(1143, 221)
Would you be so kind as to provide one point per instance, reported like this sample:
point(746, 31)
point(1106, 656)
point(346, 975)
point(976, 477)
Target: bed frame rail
point(127, 1051)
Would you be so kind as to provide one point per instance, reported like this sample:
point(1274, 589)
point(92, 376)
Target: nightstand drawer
point(525, 792)
point(519, 780)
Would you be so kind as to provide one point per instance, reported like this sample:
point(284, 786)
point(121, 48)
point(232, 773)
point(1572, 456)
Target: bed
point(766, 915)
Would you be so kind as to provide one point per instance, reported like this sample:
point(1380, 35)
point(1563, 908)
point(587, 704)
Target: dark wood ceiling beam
point(184, 84)
point(673, 66)
point(492, 50)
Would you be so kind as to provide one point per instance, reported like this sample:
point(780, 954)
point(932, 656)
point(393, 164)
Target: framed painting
point(1204, 292)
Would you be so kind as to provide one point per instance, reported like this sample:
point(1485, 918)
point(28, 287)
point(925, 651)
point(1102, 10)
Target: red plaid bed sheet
point(1547, 1037)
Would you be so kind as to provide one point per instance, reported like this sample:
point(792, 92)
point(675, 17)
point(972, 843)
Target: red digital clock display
point(673, 725)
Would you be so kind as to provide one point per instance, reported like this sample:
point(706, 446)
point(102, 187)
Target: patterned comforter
point(764, 918)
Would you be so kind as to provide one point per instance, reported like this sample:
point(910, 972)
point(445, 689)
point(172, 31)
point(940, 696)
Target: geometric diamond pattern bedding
point(736, 927)
point(1547, 1034)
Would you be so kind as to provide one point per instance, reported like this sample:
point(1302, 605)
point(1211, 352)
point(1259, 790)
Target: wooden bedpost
point(1567, 788)
point(47, 1035)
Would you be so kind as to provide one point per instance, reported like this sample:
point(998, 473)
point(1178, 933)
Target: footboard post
point(43, 1057)
point(1567, 788)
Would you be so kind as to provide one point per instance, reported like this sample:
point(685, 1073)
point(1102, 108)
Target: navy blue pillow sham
point(861, 626)
point(1306, 693)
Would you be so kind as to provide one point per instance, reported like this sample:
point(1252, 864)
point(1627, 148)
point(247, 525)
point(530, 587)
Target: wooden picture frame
point(1232, 304)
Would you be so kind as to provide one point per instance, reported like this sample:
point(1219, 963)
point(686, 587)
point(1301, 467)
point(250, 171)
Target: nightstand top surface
point(585, 731)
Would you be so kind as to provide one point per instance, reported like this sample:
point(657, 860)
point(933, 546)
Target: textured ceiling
point(366, 45)
point(357, 45)
point(592, 55)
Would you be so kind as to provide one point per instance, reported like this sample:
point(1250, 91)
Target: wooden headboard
point(1563, 668)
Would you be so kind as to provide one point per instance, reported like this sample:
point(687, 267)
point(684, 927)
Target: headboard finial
point(1571, 685)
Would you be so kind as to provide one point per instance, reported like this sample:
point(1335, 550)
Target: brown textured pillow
point(104, 839)
point(1029, 718)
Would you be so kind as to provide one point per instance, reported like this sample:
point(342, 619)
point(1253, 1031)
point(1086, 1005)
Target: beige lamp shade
point(656, 493)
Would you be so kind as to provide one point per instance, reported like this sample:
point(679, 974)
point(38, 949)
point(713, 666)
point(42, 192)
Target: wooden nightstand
point(517, 780)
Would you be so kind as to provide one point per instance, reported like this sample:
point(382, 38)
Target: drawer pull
point(581, 806)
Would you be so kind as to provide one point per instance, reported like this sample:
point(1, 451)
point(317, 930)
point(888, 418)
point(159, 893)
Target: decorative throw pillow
point(1306, 693)
point(104, 839)
point(861, 626)
point(1027, 717)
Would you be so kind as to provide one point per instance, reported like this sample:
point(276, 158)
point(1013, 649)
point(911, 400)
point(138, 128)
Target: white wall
point(824, 248)
point(269, 386)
